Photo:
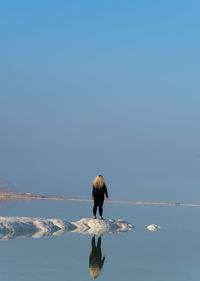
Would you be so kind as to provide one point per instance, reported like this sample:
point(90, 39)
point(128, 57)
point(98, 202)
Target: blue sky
point(108, 87)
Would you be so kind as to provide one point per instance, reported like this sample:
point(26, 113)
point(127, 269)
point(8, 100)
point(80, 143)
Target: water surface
point(171, 253)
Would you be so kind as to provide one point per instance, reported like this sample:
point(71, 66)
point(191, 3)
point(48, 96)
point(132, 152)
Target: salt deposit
point(96, 226)
point(20, 227)
point(153, 227)
point(13, 227)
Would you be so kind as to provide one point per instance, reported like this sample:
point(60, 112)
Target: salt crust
point(20, 227)
point(153, 227)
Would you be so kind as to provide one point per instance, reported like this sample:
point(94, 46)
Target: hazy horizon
point(104, 87)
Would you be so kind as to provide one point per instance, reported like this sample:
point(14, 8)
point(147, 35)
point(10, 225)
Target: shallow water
point(171, 253)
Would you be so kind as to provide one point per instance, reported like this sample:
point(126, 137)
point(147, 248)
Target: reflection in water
point(95, 259)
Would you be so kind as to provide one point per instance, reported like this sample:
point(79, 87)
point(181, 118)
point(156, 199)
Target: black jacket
point(98, 194)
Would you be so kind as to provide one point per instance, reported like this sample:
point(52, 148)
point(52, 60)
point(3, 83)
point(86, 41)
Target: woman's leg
point(95, 208)
point(100, 209)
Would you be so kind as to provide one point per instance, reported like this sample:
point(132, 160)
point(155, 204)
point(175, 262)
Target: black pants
point(98, 202)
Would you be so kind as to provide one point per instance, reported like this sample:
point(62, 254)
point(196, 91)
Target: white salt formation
point(153, 227)
point(96, 226)
point(13, 227)
point(20, 227)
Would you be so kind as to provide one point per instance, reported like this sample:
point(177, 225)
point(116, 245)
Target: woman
point(99, 189)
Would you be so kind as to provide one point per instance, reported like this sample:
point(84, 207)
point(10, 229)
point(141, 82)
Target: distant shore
point(9, 194)
point(6, 195)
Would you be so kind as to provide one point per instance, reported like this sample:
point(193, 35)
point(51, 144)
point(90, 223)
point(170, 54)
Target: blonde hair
point(99, 182)
point(94, 271)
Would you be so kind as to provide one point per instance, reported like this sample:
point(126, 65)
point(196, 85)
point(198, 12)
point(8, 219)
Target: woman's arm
point(93, 193)
point(106, 192)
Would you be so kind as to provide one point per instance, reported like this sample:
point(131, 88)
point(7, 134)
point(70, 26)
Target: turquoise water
point(172, 253)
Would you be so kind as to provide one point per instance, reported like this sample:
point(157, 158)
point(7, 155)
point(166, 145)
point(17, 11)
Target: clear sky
point(109, 87)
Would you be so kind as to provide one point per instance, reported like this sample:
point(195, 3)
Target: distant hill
point(7, 189)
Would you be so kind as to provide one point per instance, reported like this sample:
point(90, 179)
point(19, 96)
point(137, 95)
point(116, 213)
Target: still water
point(171, 253)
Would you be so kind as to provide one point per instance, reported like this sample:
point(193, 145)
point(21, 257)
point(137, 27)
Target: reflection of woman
point(99, 189)
point(95, 261)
